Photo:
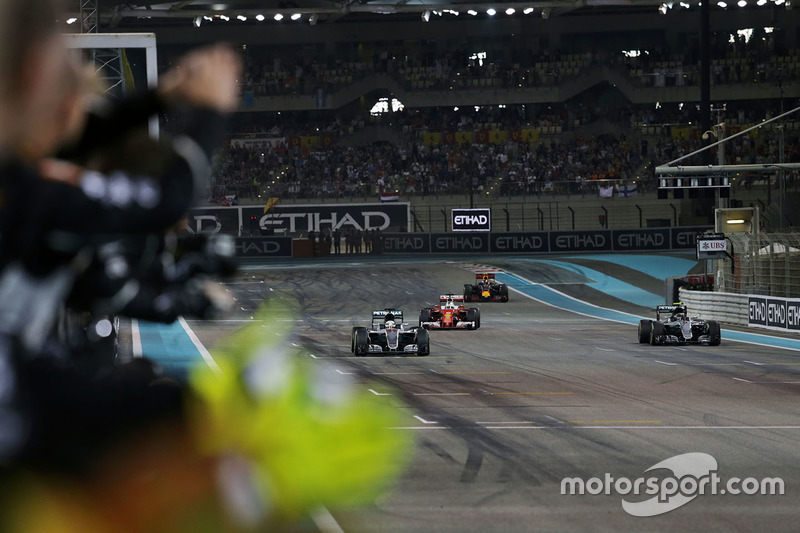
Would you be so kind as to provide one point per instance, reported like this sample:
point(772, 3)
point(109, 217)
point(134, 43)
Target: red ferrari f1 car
point(450, 314)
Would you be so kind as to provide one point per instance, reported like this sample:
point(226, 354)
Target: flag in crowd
point(390, 196)
point(627, 190)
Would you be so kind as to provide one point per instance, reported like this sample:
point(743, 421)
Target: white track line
point(136, 338)
point(199, 345)
point(325, 521)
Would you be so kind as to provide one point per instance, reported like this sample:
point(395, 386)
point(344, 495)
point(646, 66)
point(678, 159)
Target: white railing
point(724, 307)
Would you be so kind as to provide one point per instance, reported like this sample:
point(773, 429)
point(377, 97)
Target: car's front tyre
point(361, 341)
point(658, 334)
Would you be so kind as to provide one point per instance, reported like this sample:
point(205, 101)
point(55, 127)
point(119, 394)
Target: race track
point(539, 393)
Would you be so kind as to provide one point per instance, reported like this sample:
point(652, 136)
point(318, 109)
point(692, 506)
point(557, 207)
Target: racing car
point(389, 335)
point(673, 325)
point(450, 314)
point(485, 289)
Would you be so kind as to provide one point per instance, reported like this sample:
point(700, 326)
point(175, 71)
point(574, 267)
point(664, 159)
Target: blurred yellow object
point(312, 436)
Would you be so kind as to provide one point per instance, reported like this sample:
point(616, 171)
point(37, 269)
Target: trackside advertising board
point(265, 247)
point(634, 240)
point(299, 219)
point(781, 314)
point(471, 219)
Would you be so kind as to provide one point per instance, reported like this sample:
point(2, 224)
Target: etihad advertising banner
point(633, 240)
point(299, 219)
point(264, 247)
point(774, 313)
point(479, 219)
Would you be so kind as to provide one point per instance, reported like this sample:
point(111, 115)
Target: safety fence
point(763, 264)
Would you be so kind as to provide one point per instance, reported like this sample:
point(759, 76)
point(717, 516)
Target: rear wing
point(480, 276)
point(664, 309)
point(379, 316)
point(455, 297)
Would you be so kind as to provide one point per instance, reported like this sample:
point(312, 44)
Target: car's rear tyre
point(467, 293)
point(361, 341)
point(714, 333)
point(658, 334)
point(423, 342)
point(644, 331)
point(424, 316)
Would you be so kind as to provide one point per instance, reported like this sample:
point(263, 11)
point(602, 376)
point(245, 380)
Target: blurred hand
point(208, 77)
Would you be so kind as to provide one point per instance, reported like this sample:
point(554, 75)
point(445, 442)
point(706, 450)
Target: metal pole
point(751, 128)
point(705, 67)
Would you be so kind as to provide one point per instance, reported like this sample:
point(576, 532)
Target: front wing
point(377, 348)
point(674, 339)
point(438, 324)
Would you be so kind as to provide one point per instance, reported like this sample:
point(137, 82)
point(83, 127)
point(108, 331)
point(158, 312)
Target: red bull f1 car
point(450, 314)
point(389, 335)
point(486, 289)
point(673, 325)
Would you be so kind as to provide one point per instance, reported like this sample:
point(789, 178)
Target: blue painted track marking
point(554, 298)
point(170, 346)
point(609, 284)
point(549, 296)
point(657, 266)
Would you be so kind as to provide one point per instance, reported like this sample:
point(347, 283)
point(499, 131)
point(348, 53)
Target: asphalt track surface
point(503, 414)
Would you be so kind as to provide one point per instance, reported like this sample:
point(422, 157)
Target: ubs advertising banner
point(774, 313)
point(264, 247)
point(302, 218)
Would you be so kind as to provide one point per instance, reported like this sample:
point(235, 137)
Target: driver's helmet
point(486, 279)
point(388, 320)
point(680, 311)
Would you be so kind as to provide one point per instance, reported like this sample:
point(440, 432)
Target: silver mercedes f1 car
point(389, 335)
point(673, 325)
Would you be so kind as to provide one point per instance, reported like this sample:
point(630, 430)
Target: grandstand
point(558, 106)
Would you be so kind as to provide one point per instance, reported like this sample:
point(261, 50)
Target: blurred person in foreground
point(54, 418)
point(263, 440)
